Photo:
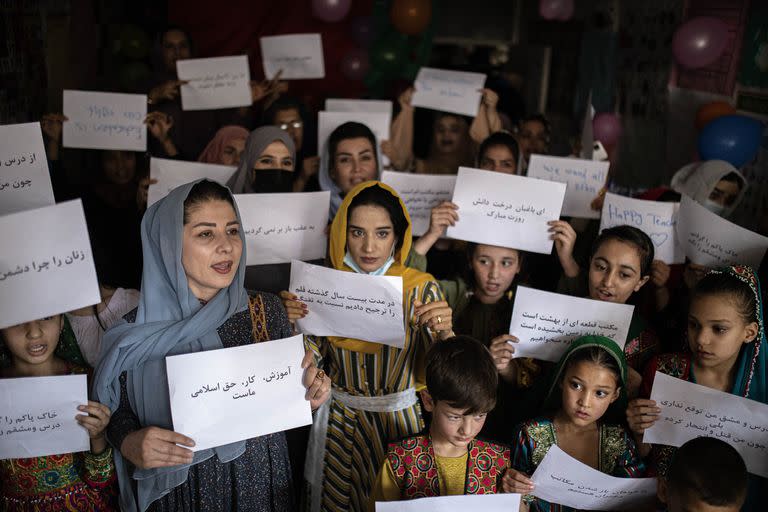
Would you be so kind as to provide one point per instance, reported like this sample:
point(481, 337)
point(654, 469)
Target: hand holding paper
point(448, 91)
point(220, 82)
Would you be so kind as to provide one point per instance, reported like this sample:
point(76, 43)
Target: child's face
point(717, 331)
point(725, 193)
point(451, 428)
point(687, 502)
point(33, 342)
point(588, 390)
point(614, 272)
point(495, 268)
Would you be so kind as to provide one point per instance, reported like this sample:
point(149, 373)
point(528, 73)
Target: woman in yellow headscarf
point(374, 386)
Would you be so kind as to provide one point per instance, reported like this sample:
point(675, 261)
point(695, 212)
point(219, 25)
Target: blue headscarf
point(170, 320)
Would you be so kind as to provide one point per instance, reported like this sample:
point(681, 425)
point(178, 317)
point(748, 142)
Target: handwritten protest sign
point(37, 416)
point(448, 91)
point(351, 305)
point(279, 228)
point(297, 55)
point(173, 173)
point(219, 82)
point(461, 503)
point(691, 410)
point(232, 394)
point(47, 267)
point(24, 179)
point(506, 210)
point(343, 105)
point(420, 193)
point(378, 122)
point(655, 219)
point(584, 178)
point(561, 479)
point(712, 241)
point(546, 323)
point(105, 120)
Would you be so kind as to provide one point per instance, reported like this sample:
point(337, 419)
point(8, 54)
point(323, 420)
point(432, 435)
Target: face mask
point(714, 207)
point(379, 272)
point(268, 181)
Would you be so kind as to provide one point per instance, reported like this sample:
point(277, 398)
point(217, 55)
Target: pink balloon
point(606, 128)
point(331, 10)
point(556, 9)
point(699, 42)
point(354, 65)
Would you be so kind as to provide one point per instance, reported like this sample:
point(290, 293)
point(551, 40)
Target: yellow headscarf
point(338, 248)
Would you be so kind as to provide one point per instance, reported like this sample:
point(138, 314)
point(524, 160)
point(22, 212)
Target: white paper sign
point(691, 410)
point(506, 210)
point(561, 479)
point(656, 219)
point(232, 394)
point(448, 91)
point(219, 82)
point(105, 120)
point(279, 228)
point(712, 241)
point(297, 55)
point(584, 178)
point(37, 416)
point(462, 503)
point(378, 122)
point(343, 105)
point(46, 266)
point(420, 193)
point(351, 305)
point(546, 323)
point(173, 173)
point(24, 179)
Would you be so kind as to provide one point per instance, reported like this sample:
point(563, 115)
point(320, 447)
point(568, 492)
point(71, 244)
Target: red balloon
point(354, 65)
point(331, 10)
point(699, 42)
point(606, 128)
point(556, 9)
point(411, 16)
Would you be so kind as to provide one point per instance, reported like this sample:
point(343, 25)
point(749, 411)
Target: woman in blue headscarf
point(192, 300)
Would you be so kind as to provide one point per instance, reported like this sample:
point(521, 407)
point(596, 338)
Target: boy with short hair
point(461, 389)
point(706, 475)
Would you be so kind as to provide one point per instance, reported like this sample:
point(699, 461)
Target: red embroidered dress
point(413, 464)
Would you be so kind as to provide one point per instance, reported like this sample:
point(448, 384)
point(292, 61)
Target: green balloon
point(389, 52)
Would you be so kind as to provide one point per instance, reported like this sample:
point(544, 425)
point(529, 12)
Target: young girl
point(585, 401)
point(619, 266)
point(72, 481)
point(726, 337)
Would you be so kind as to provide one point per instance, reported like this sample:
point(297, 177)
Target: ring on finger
point(320, 375)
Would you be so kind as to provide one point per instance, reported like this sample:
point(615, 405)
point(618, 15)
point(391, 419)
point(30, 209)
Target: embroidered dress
point(617, 454)
point(374, 389)
point(77, 482)
point(749, 382)
point(416, 468)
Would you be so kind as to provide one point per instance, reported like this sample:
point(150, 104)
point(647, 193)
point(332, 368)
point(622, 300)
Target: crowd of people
point(452, 410)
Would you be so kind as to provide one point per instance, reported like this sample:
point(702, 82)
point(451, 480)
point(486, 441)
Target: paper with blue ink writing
point(691, 410)
point(460, 503)
point(713, 241)
point(656, 219)
point(218, 82)
point(457, 92)
point(297, 56)
point(105, 120)
point(25, 182)
point(505, 210)
point(584, 179)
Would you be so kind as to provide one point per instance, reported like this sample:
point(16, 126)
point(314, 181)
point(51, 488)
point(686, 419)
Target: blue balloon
point(735, 139)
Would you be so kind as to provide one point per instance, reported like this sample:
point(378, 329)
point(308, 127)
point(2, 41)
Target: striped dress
point(357, 440)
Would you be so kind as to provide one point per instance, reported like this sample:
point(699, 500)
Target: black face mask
point(269, 181)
